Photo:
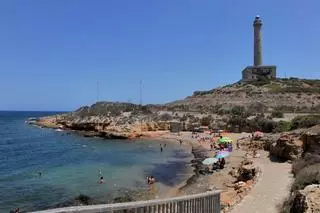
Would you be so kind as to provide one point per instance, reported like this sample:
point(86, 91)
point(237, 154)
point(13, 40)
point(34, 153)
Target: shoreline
point(195, 183)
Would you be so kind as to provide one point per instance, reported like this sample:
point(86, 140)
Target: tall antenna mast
point(140, 92)
point(98, 92)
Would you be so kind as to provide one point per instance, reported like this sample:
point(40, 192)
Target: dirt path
point(270, 190)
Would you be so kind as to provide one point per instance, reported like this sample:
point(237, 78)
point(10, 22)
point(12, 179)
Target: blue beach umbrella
point(222, 154)
point(209, 161)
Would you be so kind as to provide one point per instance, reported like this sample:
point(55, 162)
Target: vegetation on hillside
point(284, 95)
point(305, 121)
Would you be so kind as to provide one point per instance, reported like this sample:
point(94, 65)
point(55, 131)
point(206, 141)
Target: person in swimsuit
point(101, 180)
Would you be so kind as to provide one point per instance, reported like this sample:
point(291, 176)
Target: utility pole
point(98, 92)
point(140, 92)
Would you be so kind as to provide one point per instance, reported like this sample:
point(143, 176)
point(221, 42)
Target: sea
point(69, 165)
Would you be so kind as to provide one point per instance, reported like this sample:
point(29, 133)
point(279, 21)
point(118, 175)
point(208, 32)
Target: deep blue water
point(70, 164)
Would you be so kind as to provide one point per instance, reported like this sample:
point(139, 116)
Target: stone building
point(258, 71)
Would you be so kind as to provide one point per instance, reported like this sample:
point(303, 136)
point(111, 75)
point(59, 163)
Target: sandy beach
point(198, 183)
point(233, 200)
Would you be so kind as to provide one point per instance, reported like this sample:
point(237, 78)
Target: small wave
point(84, 145)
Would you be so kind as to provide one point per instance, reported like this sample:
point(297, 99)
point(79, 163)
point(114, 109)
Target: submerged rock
point(123, 199)
point(77, 201)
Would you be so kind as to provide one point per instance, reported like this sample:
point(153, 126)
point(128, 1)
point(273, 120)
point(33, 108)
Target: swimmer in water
point(101, 180)
point(40, 174)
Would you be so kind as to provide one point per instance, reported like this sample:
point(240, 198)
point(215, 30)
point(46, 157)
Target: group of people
point(151, 180)
point(221, 146)
point(216, 166)
point(17, 210)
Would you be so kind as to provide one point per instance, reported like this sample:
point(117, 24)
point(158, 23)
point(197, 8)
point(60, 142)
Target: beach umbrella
point(209, 161)
point(222, 154)
point(224, 140)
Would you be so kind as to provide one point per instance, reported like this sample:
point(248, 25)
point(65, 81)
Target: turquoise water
point(70, 165)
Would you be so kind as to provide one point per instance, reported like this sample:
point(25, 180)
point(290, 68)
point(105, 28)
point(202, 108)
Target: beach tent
point(224, 140)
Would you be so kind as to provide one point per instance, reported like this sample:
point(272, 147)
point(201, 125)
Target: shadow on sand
point(275, 159)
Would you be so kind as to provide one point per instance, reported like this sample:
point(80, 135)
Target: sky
point(55, 53)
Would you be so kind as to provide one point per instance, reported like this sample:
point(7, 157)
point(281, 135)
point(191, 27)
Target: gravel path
point(270, 190)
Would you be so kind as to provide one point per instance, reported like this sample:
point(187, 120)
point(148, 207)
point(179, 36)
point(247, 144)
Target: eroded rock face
point(311, 140)
point(287, 147)
point(247, 171)
point(307, 200)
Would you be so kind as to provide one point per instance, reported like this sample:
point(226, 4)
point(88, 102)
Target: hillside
point(287, 95)
point(236, 107)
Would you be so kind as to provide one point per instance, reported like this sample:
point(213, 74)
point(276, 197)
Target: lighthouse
point(258, 70)
point(257, 24)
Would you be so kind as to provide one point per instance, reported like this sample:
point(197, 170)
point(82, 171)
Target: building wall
point(252, 73)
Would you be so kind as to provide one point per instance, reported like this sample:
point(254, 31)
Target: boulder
point(247, 171)
point(307, 200)
point(311, 139)
point(287, 147)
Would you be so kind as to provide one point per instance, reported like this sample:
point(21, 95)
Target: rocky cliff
point(119, 120)
point(304, 149)
point(289, 95)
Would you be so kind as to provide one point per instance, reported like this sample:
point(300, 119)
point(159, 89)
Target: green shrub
point(283, 126)
point(305, 121)
point(277, 114)
point(166, 117)
point(206, 121)
point(239, 111)
point(307, 176)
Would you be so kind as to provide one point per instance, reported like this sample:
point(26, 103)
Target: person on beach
point(238, 144)
point(215, 166)
point(229, 147)
point(180, 142)
point(161, 149)
point(221, 147)
point(222, 163)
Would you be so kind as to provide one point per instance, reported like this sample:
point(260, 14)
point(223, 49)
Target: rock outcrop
point(287, 147)
point(311, 139)
point(247, 171)
point(307, 200)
